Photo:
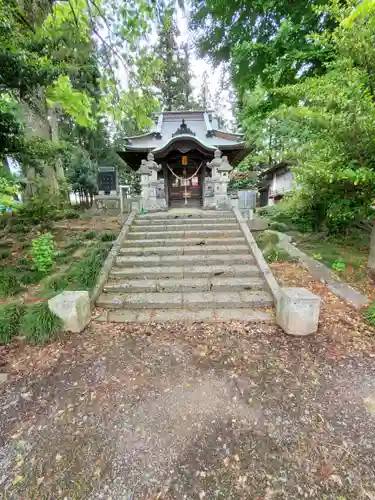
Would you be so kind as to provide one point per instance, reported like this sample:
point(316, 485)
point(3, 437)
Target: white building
point(277, 181)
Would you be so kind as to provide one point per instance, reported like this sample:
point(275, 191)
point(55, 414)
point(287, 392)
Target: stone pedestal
point(73, 308)
point(297, 311)
point(144, 191)
point(108, 203)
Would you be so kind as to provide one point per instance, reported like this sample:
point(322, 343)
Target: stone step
point(198, 242)
point(218, 284)
point(184, 250)
point(187, 300)
point(184, 260)
point(185, 315)
point(184, 227)
point(182, 222)
point(209, 271)
point(207, 233)
point(204, 214)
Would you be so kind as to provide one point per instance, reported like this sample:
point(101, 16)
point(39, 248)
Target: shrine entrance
point(185, 187)
point(185, 174)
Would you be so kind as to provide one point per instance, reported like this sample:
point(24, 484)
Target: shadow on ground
point(230, 411)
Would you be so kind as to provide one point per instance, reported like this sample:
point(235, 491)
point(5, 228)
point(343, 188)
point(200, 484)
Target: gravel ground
point(227, 411)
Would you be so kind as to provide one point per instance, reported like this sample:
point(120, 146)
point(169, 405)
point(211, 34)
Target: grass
point(30, 276)
point(108, 236)
point(35, 322)
point(9, 283)
point(90, 235)
point(75, 243)
point(370, 314)
point(5, 253)
point(23, 261)
point(268, 243)
point(39, 324)
point(266, 238)
point(10, 318)
point(276, 254)
point(346, 255)
point(81, 274)
point(84, 273)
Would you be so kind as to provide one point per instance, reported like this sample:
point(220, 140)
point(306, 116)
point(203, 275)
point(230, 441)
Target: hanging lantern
point(184, 160)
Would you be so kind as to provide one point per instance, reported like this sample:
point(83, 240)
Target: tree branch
point(108, 44)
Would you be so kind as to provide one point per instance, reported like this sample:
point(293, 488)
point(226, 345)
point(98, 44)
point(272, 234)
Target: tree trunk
point(371, 259)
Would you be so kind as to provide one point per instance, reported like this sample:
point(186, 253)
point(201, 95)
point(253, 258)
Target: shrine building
point(184, 161)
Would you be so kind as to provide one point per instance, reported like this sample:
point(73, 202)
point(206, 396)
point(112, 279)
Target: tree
point(326, 123)
point(67, 55)
point(82, 176)
point(268, 43)
point(173, 80)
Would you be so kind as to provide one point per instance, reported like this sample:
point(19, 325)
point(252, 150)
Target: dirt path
point(226, 411)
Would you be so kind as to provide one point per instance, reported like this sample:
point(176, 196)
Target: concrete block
point(257, 224)
point(73, 308)
point(297, 311)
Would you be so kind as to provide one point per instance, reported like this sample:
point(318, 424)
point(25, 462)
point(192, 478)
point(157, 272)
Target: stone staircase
point(185, 266)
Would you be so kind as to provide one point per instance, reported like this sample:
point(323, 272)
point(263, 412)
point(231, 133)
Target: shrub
point(41, 209)
point(292, 213)
point(3, 221)
point(39, 324)
point(275, 254)
point(10, 318)
point(9, 283)
point(5, 253)
point(91, 235)
point(279, 226)
point(266, 238)
point(30, 276)
point(42, 252)
point(70, 213)
point(317, 256)
point(20, 228)
point(339, 266)
point(370, 314)
point(23, 261)
point(109, 236)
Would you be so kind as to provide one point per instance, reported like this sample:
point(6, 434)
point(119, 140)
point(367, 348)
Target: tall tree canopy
point(73, 66)
point(304, 75)
point(173, 80)
point(267, 42)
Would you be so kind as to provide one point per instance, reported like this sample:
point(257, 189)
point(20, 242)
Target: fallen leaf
point(17, 480)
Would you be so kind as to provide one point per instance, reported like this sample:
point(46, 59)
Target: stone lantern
point(220, 177)
point(152, 166)
point(224, 168)
point(153, 191)
point(145, 174)
point(215, 164)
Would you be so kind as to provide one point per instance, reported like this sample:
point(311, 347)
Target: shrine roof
point(199, 124)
